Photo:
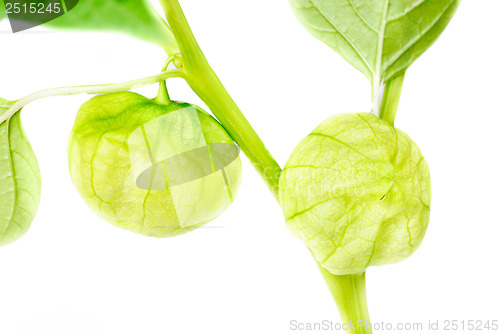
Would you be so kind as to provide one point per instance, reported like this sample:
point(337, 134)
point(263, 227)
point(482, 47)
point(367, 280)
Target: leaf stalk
point(390, 99)
point(90, 89)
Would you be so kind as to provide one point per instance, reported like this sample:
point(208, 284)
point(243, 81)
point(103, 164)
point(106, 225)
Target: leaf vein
point(344, 36)
point(412, 43)
point(356, 10)
point(412, 7)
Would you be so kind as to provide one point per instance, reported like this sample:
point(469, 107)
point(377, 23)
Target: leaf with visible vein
point(19, 179)
point(381, 38)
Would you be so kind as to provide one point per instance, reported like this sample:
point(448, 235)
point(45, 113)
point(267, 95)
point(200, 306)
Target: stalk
point(88, 89)
point(349, 292)
point(163, 96)
point(205, 83)
point(390, 100)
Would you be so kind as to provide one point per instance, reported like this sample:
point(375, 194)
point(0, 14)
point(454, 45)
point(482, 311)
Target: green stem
point(390, 100)
point(349, 292)
point(206, 84)
point(89, 89)
point(163, 96)
point(168, 43)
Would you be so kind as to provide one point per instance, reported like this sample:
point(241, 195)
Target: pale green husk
point(101, 168)
point(357, 192)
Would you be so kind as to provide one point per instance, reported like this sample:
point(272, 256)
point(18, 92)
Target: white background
point(74, 273)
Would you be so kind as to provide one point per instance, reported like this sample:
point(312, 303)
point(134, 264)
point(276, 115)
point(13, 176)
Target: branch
point(91, 89)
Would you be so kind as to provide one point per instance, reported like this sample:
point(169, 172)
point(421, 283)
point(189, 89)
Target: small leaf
point(19, 179)
point(381, 38)
point(133, 17)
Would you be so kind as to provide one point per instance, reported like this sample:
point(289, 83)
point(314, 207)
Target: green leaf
point(133, 17)
point(19, 179)
point(381, 38)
